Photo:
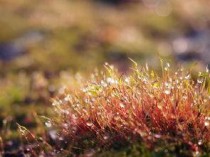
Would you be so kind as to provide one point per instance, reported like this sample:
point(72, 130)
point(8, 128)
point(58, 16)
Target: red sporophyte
point(141, 106)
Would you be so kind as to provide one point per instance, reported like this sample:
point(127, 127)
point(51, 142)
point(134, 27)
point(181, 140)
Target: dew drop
point(106, 137)
point(111, 80)
point(147, 67)
point(200, 142)
point(53, 134)
point(61, 138)
point(145, 80)
point(207, 70)
point(207, 118)
point(167, 91)
point(89, 153)
point(200, 80)
point(166, 84)
point(56, 103)
point(157, 136)
point(65, 112)
point(89, 124)
point(103, 83)
point(65, 125)
point(48, 124)
point(197, 154)
point(67, 98)
point(184, 97)
point(122, 105)
point(86, 100)
point(206, 123)
point(74, 116)
point(127, 80)
point(27, 149)
point(160, 107)
point(166, 68)
point(187, 77)
point(84, 90)
point(117, 118)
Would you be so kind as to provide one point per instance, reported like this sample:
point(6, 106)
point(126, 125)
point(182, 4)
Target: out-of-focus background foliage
point(43, 43)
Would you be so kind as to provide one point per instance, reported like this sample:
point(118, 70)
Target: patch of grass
point(168, 114)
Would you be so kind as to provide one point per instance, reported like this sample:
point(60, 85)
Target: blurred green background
point(44, 43)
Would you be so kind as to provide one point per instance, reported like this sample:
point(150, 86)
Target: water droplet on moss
point(127, 80)
point(89, 124)
point(200, 80)
point(48, 124)
point(160, 107)
point(111, 80)
point(206, 123)
point(56, 103)
point(207, 69)
point(167, 91)
point(184, 97)
point(106, 137)
point(188, 77)
point(53, 134)
point(117, 118)
point(157, 136)
point(122, 105)
point(103, 83)
point(65, 125)
point(200, 142)
point(67, 98)
point(207, 118)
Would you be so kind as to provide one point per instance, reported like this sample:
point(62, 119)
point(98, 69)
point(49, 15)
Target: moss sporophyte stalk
point(167, 112)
